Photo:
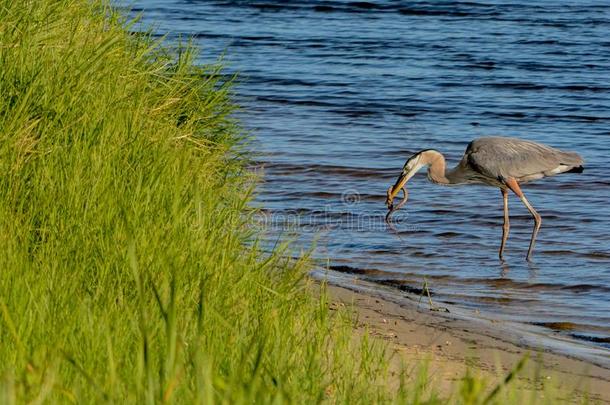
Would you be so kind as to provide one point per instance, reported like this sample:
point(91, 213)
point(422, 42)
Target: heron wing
point(500, 157)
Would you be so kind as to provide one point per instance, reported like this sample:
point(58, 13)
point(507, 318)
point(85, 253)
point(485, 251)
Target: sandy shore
point(452, 345)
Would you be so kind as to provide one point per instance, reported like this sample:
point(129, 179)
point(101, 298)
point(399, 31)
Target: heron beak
point(400, 183)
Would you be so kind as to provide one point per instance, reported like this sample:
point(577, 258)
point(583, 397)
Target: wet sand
point(451, 346)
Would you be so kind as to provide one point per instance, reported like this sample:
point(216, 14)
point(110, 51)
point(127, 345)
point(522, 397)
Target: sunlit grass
point(129, 272)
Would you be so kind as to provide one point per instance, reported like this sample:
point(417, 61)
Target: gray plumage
point(501, 158)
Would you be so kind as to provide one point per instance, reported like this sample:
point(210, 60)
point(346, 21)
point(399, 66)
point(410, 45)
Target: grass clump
point(129, 273)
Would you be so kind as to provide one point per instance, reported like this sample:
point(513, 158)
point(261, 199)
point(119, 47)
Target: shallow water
point(339, 94)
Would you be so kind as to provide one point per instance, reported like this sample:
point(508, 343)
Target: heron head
point(412, 166)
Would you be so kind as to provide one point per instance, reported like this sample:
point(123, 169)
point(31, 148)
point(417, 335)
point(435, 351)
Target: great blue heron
point(496, 161)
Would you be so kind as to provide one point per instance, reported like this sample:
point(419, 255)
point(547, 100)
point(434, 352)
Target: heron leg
point(506, 225)
point(514, 186)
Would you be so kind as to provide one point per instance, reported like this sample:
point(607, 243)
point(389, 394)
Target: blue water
point(339, 94)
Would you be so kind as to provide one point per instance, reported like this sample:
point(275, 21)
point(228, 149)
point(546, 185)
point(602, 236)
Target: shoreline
point(452, 343)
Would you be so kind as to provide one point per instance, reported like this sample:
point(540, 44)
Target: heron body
point(500, 162)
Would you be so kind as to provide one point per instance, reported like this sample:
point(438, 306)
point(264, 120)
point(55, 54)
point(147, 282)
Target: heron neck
point(438, 172)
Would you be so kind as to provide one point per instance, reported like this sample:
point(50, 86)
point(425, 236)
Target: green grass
point(129, 273)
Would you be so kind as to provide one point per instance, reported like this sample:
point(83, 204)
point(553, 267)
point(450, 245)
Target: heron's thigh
point(514, 186)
